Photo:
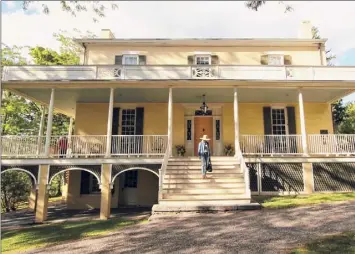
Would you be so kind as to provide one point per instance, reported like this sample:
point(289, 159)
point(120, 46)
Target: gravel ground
point(262, 231)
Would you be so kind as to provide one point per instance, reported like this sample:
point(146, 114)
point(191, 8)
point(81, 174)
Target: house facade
point(265, 103)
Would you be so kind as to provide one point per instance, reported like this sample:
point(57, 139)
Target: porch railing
point(83, 146)
point(342, 144)
point(271, 144)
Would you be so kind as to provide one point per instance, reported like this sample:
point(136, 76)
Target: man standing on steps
point(204, 153)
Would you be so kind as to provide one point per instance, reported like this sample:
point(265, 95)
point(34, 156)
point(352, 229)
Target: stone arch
point(75, 168)
point(34, 178)
point(132, 168)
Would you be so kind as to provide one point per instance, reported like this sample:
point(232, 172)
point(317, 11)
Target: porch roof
point(66, 97)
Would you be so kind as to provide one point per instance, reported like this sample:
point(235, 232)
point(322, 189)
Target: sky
point(186, 19)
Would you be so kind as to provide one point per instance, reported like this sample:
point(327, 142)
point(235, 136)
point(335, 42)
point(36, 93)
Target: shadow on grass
point(41, 235)
point(343, 243)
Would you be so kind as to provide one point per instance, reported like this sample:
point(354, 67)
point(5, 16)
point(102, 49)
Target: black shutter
point(287, 60)
point(142, 60)
point(85, 182)
point(115, 128)
point(214, 60)
point(139, 128)
point(190, 60)
point(118, 60)
point(264, 60)
point(291, 120)
point(267, 121)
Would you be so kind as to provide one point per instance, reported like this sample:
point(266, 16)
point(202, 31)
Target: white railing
point(271, 144)
point(83, 146)
point(22, 146)
point(162, 72)
point(331, 144)
point(245, 171)
point(162, 170)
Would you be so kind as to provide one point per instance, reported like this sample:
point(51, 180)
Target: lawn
point(272, 202)
point(17, 240)
point(342, 243)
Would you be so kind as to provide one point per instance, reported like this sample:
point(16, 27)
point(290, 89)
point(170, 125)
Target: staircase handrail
point(244, 169)
point(162, 170)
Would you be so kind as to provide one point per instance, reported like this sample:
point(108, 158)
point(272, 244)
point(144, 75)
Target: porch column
point(109, 124)
point(105, 206)
point(170, 122)
point(308, 177)
point(70, 131)
point(236, 122)
point(303, 123)
point(40, 132)
point(42, 197)
point(49, 124)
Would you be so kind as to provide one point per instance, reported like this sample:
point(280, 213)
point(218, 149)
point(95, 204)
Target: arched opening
point(137, 187)
point(18, 196)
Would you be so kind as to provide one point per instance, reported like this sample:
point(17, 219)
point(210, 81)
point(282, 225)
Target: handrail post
point(109, 124)
point(303, 123)
point(49, 123)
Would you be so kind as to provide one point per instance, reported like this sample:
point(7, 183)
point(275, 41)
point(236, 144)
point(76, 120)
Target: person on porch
point(204, 153)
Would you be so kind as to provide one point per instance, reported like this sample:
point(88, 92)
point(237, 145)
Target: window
point(94, 184)
point(218, 129)
point(189, 125)
point(275, 59)
point(131, 179)
point(278, 118)
point(202, 60)
point(128, 122)
point(130, 59)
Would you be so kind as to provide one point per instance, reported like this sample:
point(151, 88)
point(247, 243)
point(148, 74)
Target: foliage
point(255, 5)
point(279, 202)
point(180, 150)
point(339, 113)
point(328, 53)
point(42, 235)
point(15, 188)
point(75, 7)
point(228, 150)
point(347, 125)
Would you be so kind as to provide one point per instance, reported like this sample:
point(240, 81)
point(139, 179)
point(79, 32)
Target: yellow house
point(264, 103)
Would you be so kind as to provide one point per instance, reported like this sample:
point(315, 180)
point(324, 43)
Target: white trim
point(129, 55)
point(286, 119)
point(133, 168)
point(23, 170)
point(75, 168)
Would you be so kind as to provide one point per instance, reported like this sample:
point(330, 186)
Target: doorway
point(203, 126)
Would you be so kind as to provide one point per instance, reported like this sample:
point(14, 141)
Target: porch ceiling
point(66, 98)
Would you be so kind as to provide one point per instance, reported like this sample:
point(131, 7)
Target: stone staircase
point(184, 189)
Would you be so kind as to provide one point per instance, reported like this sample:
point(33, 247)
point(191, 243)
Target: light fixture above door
point(204, 106)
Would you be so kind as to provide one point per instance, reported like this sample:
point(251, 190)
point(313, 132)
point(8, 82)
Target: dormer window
point(130, 60)
point(203, 60)
point(275, 59)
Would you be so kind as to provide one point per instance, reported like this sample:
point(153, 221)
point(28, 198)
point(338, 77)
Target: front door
point(130, 188)
point(203, 126)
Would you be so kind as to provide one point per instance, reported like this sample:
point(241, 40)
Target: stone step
point(198, 207)
point(209, 191)
point(195, 158)
point(198, 175)
point(198, 171)
point(207, 202)
point(214, 180)
point(186, 196)
point(198, 162)
point(203, 185)
point(198, 167)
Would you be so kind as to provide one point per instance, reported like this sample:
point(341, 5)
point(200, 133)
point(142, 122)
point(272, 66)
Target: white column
point(49, 124)
point(70, 131)
point(236, 122)
point(109, 124)
point(303, 122)
point(40, 132)
point(170, 121)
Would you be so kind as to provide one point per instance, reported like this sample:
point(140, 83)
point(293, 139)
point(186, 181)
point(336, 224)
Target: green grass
point(342, 243)
point(272, 202)
point(14, 241)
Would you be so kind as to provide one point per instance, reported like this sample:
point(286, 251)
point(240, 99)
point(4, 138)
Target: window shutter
point(214, 60)
point(118, 60)
point(291, 116)
point(287, 60)
point(264, 60)
point(115, 128)
point(267, 121)
point(85, 182)
point(139, 121)
point(190, 60)
point(142, 60)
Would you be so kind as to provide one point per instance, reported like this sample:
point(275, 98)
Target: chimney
point(107, 34)
point(305, 31)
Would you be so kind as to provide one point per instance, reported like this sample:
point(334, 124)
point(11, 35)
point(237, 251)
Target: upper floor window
point(275, 60)
point(202, 60)
point(128, 122)
point(130, 60)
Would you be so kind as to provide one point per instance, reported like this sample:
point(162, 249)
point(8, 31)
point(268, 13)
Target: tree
point(347, 125)
point(15, 188)
point(328, 53)
point(339, 112)
point(75, 7)
point(255, 5)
